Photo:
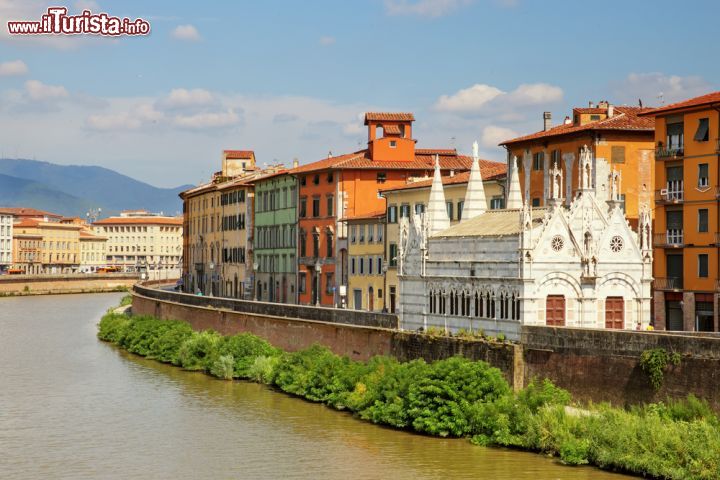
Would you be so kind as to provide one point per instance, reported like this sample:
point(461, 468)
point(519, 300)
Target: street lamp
point(254, 276)
point(318, 274)
point(212, 279)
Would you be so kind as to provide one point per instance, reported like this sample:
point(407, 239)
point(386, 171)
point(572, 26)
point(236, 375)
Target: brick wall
point(51, 284)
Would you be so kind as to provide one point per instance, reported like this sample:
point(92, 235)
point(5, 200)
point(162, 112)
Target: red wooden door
point(614, 312)
point(555, 311)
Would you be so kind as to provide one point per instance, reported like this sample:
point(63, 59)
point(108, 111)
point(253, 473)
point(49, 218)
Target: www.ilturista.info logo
point(57, 22)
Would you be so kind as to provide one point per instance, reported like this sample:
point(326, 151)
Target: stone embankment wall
point(594, 365)
point(11, 285)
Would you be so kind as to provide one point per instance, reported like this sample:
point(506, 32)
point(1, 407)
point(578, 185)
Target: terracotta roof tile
point(590, 110)
point(706, 99)
point(625, 119)
point(388, 117)
point(366, 216)
point(29, 212)
point(391, 129)
point(239, 153)
point(424, 160)
point(489, 171)
point(140, 221)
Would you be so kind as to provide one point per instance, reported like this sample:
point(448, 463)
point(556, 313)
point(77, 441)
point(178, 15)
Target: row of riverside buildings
point(608, 219)
point(34, 242)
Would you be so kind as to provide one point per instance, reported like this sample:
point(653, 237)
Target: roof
point(239, 153)
point(140, 221)
point(26, 223)
point(388, 117)
point(28, 212)
point(366, 216)
point(590, 110)
point(488, 170)
point(706, 99)
point(424, 160)
point(392, 130)
point(85, 235)
point(624, 119)
point(492, 223)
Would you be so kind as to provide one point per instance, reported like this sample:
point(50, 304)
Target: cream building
point(414, 197)
point(576, 265)
point(93, 252)
point(6, 241)
point(366, 262)
point(143, 242)
point(59, 248)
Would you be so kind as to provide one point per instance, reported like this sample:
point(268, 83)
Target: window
point(419, 208)
point(461, 204)
point(594, 118)
point(703, 220)
point(379, 266)
point(303, 207)
point(497, 203)
point(329, 287)
point(675, 136)
point(449, 207)
point(393, 254)
point(370, 265)
point(316, 245)
point(316, 179)
point(392, 214)
point(393, 144)
point(303, 243)
point(362, 265)
point(330, 177)
point(316, 206)
point(535, 202)
point(539, 161)
point(404, 210)
point(371, 233)
point(329, 239)
point(617, 154)
point(623, 204)
point(361, 229)
point(702, 132)
point(301, 282)
point(352, 265)
point(329, 205)
point(703, 176)
point(703, 265)
point(303, 181)
point(380, 229)
point(353, 233)
point(381, 177)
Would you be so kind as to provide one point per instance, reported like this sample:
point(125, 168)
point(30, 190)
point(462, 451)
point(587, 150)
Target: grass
point(455, 397)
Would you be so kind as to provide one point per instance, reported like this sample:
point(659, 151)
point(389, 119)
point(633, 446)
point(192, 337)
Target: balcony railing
point(672, 193)
point(672, 151)
point(670, 238)
point(669, 283)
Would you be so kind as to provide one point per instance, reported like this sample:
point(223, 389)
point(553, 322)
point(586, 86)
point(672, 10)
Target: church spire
point(514, 197)
point(437, 210)
point(475, 203)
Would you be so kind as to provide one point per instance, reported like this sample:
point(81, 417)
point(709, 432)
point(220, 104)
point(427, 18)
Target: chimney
point(611, 110)
point(452, 173)
point(295, 163)
point(547, 120)
point(567, 120)
point(591, 105)
point(603, 104)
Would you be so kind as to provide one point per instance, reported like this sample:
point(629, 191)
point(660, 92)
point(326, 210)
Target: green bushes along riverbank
point(454, 397)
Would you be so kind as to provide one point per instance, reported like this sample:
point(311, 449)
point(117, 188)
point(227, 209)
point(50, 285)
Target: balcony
point(669, 153)
point(672, 193)
point(669, 239)
point(670, 283)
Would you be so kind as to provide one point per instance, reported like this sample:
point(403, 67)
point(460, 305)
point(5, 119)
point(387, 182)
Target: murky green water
point(73, 407)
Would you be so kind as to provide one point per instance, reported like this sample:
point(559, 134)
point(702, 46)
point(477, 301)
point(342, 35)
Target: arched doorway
point(371, 299)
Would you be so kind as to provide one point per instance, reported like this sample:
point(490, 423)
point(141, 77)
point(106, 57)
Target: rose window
point(616, 243)
point(557, 243)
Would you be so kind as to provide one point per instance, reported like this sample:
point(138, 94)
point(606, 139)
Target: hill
point(74, 189)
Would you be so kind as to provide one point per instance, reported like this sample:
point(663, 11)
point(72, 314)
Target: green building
point(274, 245)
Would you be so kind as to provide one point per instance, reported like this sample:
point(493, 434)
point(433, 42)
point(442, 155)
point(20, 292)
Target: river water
point(72, 407)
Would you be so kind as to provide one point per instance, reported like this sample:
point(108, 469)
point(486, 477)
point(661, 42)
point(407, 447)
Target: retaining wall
point(11, 285)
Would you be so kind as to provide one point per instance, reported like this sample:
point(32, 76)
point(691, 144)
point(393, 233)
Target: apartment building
point(59, 246)
point(6, 241)
point(93, 251)
point(347, 186)
point(366, 253)
point(687, 217)
point(620, 140)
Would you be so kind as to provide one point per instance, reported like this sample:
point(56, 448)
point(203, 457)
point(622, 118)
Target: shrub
point(222, 367)
point(245, 348)
point(263, 369)
point(199, 350)
point(166, 346)
point(654, 362)
point(112, 327)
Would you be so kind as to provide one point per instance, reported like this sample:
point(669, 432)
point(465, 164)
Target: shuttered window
point(674, 219)
point(703, 220)
point(701, 134)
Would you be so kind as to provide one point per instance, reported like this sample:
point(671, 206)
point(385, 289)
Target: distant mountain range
point(72, 190)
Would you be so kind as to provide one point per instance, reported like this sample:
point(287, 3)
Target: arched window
point(478, 304)
point(466, 298)
point(432, 302)
point(492, 305)
point(452, 303)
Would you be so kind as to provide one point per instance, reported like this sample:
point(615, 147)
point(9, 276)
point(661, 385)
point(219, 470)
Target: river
point(72, 407)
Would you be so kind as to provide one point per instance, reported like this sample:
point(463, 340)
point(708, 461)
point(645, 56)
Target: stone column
point(689, 311)
point(659, 304)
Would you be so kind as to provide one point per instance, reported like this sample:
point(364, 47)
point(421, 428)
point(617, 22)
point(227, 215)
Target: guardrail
point(303, 312)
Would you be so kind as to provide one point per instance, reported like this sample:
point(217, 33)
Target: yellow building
point(59, 248)
point(415, 196)
point(140, 241)
point(366, 258)
point(93, 252)
point(27, 251)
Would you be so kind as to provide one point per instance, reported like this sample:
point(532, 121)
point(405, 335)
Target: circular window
point(557, 243)
point(616, 243)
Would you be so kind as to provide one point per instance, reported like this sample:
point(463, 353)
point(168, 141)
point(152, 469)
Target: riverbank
point(23, 285)
point(454, 397)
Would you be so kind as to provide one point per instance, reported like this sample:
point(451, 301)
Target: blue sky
point(291, 79)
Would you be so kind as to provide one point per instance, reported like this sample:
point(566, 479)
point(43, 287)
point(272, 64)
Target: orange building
point(347, 186)
point(687, 218)
point(619, 140)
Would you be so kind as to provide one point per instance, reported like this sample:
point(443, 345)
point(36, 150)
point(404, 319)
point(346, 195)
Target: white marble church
point(576, 265)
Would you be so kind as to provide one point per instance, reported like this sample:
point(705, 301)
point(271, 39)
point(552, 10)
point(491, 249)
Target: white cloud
point(424, 8)
point(137, 116)
point(201, 121)
point(327, 41)
point(654, 87)
point(16, 67)
point(91, 5)
point(485, 99)
point(39, 91)
point(492, 135)
point(186, 32)
point(184, 98)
